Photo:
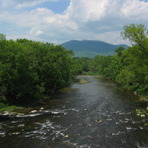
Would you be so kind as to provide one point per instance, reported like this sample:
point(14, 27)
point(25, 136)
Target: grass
point(4, 107)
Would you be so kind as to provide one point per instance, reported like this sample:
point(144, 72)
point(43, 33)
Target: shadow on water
point(93, 115)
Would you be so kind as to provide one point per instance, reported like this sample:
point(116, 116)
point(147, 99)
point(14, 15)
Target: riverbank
point(14, 109)
point(8, 112)
point(4, 107)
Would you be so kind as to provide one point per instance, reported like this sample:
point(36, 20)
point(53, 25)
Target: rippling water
point(93, 115)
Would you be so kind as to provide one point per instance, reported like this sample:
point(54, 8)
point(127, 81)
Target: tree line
point(31, 70)
point(128, 67)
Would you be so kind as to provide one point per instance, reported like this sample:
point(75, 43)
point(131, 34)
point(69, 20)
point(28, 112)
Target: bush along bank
point(30, 71)
point(128, 67)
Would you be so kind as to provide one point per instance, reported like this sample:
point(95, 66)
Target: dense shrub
point(30, 70)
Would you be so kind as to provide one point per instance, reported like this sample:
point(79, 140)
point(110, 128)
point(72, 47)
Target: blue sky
point(56, 6)
point(58, 21)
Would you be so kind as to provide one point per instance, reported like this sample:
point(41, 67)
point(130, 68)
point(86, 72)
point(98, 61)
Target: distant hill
point(91, 48)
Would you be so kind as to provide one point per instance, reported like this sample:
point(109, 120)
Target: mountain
point(91, 48)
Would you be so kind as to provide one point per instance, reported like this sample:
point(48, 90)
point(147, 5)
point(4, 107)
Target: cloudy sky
point(58, 21)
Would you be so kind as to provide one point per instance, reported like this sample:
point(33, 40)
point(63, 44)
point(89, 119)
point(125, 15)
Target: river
point(93, 115)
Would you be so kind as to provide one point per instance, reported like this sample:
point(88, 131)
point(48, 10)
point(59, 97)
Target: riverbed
point(97, 114)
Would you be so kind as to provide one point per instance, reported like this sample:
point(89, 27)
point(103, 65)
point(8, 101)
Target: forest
point(31, 70)
point(128, 67)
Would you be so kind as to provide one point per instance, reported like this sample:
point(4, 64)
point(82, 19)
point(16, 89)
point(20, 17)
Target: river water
point(93, 115)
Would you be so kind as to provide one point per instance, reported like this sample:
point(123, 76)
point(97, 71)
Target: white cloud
point(107, 18)
point(39, 32)
point(98, 10)
point(87, 10)
point(95, 19)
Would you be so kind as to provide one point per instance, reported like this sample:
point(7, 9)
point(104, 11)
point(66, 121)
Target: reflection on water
point(92, 115)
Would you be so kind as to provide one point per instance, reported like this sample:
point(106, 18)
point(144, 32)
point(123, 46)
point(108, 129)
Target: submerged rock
point(98, 121)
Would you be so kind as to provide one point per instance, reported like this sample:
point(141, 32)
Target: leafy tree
point(2, 37)
point(136, 58)
point(31, 70)
point(119, 50)
point(137, 35)
point(129, 67)
point(83, 64)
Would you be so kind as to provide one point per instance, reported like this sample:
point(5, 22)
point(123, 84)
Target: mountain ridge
point(91, 48)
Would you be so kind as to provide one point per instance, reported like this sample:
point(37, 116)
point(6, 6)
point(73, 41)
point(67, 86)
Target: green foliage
point(30, 70)
point(135, 33)
point(128, 67)
point(100, 64)
point(9, 108)
point(83, 64)
point(2, 37)
point(119, 50)
point(126, 78)
point(4, 107)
